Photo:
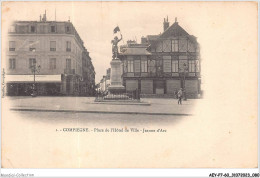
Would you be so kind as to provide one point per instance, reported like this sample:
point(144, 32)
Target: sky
point(213, 23)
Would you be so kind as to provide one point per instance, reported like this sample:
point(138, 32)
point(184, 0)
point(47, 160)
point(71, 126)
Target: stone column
point(116, 77)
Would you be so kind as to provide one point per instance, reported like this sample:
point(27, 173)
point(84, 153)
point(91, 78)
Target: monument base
point(116, 89)
point(116, 86)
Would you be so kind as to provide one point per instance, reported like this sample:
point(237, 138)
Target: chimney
point(143, 40)
point(40, 18)
point(166, 24)
point(44, 19)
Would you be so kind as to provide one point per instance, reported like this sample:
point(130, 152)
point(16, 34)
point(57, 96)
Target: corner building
point(162, 64)
point(57, 51)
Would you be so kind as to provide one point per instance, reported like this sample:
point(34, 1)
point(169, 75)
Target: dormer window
point(33, 29)
point(53, 29)
point(67, 29)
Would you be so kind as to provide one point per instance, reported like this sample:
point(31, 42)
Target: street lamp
point(34, 69)
point(182, 73)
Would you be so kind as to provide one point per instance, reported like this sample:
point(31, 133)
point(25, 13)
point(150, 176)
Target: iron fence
point(130, 95)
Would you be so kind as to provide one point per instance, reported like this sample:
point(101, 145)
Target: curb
point(122, 103)
point(100, 112)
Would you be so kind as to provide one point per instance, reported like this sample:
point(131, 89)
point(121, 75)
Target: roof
point(193, 39)
point(135, 51)
point(152, 37)
point(174, 30)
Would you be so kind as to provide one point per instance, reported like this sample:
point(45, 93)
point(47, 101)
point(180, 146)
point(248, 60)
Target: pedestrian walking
point(175, 94)
point(179, 94)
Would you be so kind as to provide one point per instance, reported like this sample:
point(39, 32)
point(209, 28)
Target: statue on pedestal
point(114, 42)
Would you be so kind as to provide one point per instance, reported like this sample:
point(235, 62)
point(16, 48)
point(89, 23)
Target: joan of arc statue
point(114, 42)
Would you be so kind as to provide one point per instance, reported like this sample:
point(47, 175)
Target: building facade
point(56, 51)
point(88, 84)
point(162, 64)
point(105, 82)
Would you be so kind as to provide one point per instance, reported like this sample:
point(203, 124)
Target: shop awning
point(29, 78)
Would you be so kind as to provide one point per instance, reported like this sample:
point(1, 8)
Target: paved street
point(159, 106)
point(83, 110)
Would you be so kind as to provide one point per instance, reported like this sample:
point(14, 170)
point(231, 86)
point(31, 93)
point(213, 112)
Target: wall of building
point(26, 44)
point(171, 58)
point(42, 53)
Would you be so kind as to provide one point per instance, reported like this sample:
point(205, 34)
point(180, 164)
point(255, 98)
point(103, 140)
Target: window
point(175, 46)
point(67, 29)
point(53, 63)
point(53, 29)
point(159, 65)
point(68, 46)
point(167, 64)
point(68, 63)
point(12, 63)
point(197, 66)
point(125, 66)
point(11, 45)
point(143, 65)
point(151, 66)
point(175, 66)
point(32, 46)
point(137, 66)
point(192, 66)
point(33, 29)
point(53, 46)
point(130, 66)
point(32, 62)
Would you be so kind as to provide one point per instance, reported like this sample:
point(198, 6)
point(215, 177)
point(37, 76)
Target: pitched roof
point(193, 39)
point(173, 31)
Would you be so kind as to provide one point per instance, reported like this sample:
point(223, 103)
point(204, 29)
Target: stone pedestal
point(116, 86)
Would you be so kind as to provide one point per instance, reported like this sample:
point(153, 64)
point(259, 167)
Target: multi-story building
point(164, 63)
point(56, 50)
point(88, 72)
point(104, 83)
point(108, 81)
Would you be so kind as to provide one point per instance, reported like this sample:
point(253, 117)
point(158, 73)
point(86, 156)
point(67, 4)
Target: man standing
point(179, 94)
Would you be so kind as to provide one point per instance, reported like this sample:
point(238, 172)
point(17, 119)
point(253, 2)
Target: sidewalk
point(158, 106)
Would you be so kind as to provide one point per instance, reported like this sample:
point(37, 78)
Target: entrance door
point(159, 87)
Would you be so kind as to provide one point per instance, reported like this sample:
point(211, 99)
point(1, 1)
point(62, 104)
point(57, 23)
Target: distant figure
point(179, 94)
point(175, 94)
